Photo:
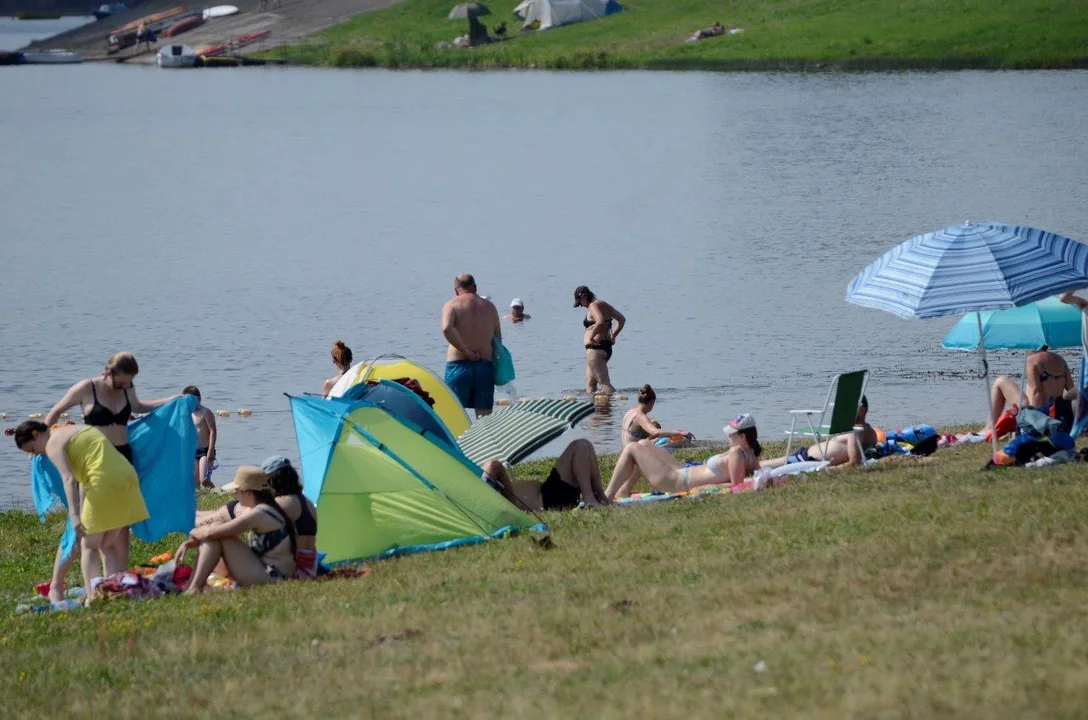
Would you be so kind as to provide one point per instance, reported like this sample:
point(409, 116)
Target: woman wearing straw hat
point(266, 556)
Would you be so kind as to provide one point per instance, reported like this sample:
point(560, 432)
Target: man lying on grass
point(841, 449)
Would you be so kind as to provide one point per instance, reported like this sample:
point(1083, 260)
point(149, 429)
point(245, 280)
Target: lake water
point(15, 34)
point(227, 226)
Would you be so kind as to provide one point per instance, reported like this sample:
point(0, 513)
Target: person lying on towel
point(841, 449)
point(667, 474)
point(575, 478)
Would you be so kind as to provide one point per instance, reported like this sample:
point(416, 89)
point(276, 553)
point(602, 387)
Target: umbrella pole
point(986, 382)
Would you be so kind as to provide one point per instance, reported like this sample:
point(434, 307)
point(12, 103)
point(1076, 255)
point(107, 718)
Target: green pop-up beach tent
point(385, 486)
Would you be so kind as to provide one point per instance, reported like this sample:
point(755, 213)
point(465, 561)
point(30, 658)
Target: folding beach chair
point(847, 390)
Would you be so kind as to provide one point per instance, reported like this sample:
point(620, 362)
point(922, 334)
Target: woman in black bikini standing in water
point(598, 339)
point(108, 402)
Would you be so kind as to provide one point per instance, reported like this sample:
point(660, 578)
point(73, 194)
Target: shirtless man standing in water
point(469, 322)
point(206, 435)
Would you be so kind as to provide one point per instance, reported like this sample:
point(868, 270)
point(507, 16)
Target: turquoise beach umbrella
point(1047, 322)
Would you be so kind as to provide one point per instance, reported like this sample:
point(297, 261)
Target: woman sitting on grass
point(269, 553)
point(575, 478)
point(284, 480)
point(637, 424)
point(665, 473)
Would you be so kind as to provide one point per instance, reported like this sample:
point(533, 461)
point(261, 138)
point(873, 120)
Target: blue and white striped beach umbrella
point(971, 268)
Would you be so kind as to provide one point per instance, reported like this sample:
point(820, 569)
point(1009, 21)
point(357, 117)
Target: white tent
point(552, 13)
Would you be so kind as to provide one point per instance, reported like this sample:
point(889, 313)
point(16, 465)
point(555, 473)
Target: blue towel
point(503, 362)
point(163, 445)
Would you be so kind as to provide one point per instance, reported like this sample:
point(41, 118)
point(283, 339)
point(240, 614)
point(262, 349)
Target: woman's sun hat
point(248, 477)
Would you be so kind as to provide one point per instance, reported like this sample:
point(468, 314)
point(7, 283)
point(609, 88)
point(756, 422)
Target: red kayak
point(235, 44)
point(148, 19)
point(182, 25)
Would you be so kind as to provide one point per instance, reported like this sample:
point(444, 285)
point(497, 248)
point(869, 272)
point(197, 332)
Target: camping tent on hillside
point(384, 487)
point(552, 13)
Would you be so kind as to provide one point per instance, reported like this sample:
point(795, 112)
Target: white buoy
point(620, 397)
point(223, 413)
point(502, 402)
point(35, 416)
point(245, 412)
point(570, 398)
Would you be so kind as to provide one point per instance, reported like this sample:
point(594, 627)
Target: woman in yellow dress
point(101, 487)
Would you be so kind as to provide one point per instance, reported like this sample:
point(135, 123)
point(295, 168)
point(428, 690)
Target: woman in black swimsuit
point(108, 402)
point(575, 478)
point(598, 339)
point(265, 556)
point(285, 483)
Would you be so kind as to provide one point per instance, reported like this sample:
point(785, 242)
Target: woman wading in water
point(598, 338)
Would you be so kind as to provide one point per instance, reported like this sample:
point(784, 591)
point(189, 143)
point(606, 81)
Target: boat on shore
point(172, 13)
point(184, 25)
point(51, 57)
point(177, 56)
point(238, 42)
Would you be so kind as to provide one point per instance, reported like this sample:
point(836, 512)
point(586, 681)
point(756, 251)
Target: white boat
point(177, 56)
point(50, 57)
point(219, 11)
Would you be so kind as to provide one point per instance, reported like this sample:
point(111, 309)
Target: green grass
point(788, 34)
point(919, 588)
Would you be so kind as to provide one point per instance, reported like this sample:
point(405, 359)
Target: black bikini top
point(102, 416)
point(587, 323)
point(305, 526)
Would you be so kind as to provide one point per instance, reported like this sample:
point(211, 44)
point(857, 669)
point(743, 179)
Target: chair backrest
point(848, 391)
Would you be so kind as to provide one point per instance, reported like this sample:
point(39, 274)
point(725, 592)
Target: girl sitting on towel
point(284, 480)
point(667, 474)
point(638, 426)
point(268, 553)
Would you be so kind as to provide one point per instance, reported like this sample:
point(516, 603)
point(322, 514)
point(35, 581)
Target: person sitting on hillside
point(713, 31)
point(269, 553)
point(667, 474)
point(841, 449)
point(576, 477)
point(1049, 389)
point(637, 425)
point(285, 483)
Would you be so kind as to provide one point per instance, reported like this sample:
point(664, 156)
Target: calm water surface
point(15, 34)
point(228, 226)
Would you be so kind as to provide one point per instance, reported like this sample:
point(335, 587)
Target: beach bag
point(503, 362)
point(922, 439)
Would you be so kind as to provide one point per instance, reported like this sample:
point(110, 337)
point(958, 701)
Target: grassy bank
point(787, 34)
point(924, 589)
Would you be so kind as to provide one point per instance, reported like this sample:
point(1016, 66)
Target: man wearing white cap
point(517, 311)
